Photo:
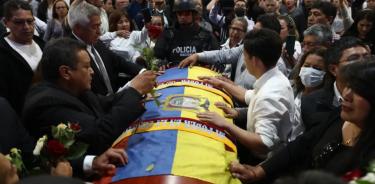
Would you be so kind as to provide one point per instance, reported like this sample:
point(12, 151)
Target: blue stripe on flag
point(174, 73)
point(150, 153)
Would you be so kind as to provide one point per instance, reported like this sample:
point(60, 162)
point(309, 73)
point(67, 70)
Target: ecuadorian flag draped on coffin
point(169, 140)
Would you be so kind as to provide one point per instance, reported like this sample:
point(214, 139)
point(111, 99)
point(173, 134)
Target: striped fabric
point(170, 140)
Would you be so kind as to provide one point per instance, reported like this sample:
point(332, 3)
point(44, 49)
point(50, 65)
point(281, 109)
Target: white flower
point(370, 177)
point(61, 126)
point(14, 150)
point(39, 145)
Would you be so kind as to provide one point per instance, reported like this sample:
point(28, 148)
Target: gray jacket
point(230, 56)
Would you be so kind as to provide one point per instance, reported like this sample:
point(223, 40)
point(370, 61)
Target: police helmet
point(184, 5)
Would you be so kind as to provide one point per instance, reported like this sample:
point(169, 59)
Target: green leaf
point(150, 167)
point(68, 143)
point(55, 132)
point(363, 182)
point(67, 138)
point(371, 167)
point(77, 150)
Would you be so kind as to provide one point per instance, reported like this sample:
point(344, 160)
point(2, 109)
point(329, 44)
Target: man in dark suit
point(65, 96)
point(84, 19)
point(320, 110)
point(316, 105)
point(20, 53)
point(14, 135)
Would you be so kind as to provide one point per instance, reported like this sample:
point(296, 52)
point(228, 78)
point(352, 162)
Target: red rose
point(352, 175)
point(75, 127)
point(55, 148)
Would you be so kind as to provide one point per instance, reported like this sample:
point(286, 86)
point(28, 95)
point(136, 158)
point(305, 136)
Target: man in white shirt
point(235, 55)
point(271, 103)
point(20, 53)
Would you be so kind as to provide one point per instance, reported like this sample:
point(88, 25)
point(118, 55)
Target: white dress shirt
point(297, 125)
point(337, 98)
point(271, 108)
point(129, 46)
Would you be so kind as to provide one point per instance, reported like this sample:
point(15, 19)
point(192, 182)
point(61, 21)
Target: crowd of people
point(300, 72)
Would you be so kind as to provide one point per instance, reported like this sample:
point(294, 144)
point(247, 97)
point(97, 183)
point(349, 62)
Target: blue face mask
point(311, 77)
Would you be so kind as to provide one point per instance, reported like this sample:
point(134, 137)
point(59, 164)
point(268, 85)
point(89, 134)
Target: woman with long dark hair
point(309, 77)
point(364, 28)
point(358, 108)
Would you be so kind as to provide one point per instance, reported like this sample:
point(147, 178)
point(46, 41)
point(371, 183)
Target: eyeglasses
point(239, 6)
point(236, 29)
point(358, 57)
point(60, 7)
point(309, 44)
point(20, 22)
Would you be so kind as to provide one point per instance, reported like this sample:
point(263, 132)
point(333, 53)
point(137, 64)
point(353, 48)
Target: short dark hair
point(270, 21)
point(158, 15)
point(336, 51)
point(327, 8)
point(265, 44)
point(58, 52)
point(14, 5)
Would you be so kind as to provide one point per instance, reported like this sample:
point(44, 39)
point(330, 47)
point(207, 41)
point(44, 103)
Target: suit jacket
point(114, 65)
point(15, 74)
point(298, 154)
point(101, 120)
point(12, 132)
point(314, 107)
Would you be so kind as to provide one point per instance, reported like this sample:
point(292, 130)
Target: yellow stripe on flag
point(208, 160)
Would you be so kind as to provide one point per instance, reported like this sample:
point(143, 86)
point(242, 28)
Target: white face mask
point(311, 77)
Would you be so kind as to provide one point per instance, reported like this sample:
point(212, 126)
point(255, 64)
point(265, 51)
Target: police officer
point(185, 38)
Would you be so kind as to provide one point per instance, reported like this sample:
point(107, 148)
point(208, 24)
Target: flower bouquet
point(63, 145)
point(355, 177)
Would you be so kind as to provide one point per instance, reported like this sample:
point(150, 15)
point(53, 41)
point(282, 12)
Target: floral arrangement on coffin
point(151, 63)
point(355, 176)
point(62, 146)
point(15, 157)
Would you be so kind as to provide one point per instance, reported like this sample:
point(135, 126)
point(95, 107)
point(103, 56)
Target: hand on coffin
point(107, 161)
point(246, 173)
point(189, 61)
point(229, 112)
point(213, 117)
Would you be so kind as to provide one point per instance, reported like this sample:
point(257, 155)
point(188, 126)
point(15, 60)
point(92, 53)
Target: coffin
point(168, 144)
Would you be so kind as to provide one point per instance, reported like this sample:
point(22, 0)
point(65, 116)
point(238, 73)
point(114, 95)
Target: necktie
point(102, 70)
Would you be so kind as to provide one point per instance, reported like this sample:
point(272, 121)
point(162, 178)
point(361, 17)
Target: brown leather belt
point(162, 179)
